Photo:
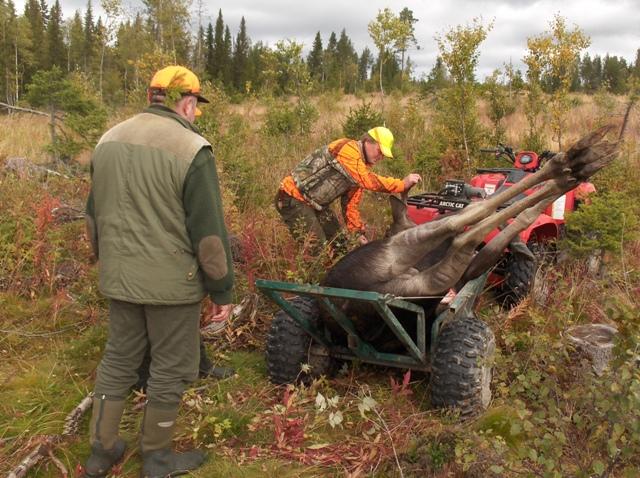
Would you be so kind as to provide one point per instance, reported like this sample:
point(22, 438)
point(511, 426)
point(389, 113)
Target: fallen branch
point(72, 422)
point(31, 460)
point(27, 110)
point(47, 442)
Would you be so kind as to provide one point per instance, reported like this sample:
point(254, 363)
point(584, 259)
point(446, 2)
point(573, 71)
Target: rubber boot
point(206, 369)
point(158, 460)
point(107, 448)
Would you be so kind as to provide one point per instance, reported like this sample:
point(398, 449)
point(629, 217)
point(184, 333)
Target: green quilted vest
point(138, 173)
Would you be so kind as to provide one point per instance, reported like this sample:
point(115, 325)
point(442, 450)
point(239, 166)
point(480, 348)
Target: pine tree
point(345, 62)
point(218, 49)
point(89, 48)
point(76, 42)
point(406, 35)
point(227, 67)
point(240, 57)
point(7, 46)
point(33, 14)
point(329, 62)
point(364, 64)
point(256, 65)
point(57, 55)
point(614, 74)
point(44, 11)
point(314, 60)
point(209, 52)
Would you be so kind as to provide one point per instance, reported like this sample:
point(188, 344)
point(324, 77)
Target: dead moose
point(420, 263)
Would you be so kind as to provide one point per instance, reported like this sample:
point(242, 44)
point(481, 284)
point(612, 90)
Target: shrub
point(607, 223)
point(361, 120)
point(283, 119)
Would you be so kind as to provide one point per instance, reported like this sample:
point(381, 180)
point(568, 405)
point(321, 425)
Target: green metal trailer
point(454, 346)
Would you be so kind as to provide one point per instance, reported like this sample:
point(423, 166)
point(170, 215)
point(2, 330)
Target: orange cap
point(181, 78)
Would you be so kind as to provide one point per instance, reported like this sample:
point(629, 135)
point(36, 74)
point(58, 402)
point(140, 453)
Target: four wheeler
point(513, 276)
point(426, 334)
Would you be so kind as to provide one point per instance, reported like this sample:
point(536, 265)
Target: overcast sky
point(612, 25)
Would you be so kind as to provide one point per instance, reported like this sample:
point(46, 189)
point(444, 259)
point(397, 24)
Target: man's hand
point(410, 180)
point(217, 313)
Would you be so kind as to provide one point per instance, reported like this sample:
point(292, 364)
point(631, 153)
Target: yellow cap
point(180, 78)
point(384, 138)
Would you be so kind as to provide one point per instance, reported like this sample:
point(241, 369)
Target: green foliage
point(387, 30)
point(456, 111)
point(360, 120)
point(553, 59)
point(501, 104)
point(607, 223)
point(283, 119)
point(83, 116)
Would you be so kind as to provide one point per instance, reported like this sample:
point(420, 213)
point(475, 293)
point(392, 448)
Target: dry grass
point(24, 135)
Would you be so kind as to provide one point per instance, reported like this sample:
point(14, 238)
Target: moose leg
point(491, 253)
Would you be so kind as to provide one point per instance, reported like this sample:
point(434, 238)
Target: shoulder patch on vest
point(148, 129)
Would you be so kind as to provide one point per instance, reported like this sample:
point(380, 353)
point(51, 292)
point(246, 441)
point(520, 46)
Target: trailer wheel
point(461, 368)
point(289, 346)
point(519, 273)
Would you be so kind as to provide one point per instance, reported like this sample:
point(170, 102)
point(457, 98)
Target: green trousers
point(302, 219)
point(170, 332)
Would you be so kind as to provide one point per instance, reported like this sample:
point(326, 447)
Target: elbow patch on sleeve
point(212, 257)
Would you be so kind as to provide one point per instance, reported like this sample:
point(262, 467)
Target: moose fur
point(430, 259)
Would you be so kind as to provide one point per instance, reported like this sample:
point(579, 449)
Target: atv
point(513, 276)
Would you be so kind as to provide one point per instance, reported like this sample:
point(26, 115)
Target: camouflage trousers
point(302, 219)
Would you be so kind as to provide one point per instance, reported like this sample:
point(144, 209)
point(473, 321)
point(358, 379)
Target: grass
point(52, 332)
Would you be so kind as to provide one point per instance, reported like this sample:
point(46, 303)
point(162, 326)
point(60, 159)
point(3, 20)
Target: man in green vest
point(155, 221)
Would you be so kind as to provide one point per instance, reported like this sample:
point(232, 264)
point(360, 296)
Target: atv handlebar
point(501, 150)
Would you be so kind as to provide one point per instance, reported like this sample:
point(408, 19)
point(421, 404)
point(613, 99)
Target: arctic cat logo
point(457, 205)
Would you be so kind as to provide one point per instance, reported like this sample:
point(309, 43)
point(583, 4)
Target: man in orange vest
point(342, 170)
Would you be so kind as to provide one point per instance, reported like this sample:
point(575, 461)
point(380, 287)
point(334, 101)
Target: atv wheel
point(519, 273)
point(461, 369)
point(289, 346)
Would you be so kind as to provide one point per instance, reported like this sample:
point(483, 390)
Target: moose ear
point(401, 221)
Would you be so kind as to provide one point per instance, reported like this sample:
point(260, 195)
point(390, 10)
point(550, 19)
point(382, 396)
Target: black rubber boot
point(217, 372)
point(157, 458)
point(107, 448)
point(206, 369)
point(164, 463)
point(101, 461)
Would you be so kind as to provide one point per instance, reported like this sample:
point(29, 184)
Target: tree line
point(116, 53)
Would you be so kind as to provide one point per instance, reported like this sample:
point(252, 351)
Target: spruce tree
point(209, 52)
point(364, 64)
point(227, 69)
point(329, 61)
point(240, 57)
point(218, 49)
point(89, 47)
point(33, 15)
point(56, 49)
point(76, 42)
point(346, 68)
point(314, 60)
